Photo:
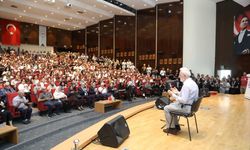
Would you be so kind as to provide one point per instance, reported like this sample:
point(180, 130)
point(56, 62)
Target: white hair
point(185, 71)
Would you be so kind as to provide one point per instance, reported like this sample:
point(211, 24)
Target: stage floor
point(223, 122)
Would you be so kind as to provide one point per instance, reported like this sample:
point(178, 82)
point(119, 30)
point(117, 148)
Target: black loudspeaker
point(114, 132)
point(161, 102)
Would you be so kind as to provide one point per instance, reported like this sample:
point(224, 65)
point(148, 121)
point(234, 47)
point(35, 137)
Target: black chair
point(194, 108)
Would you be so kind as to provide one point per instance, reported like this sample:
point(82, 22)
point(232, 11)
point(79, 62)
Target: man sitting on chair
point(182, 100)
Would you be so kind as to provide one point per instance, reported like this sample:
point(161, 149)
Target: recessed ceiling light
point(20, 16)
point(59, 24)
point(84, 10)
point(53, 25)
point(68, 28)
point(145, 5)
point(100, 16)
point(46, 16)
point(74, 27)
point(35, 22)
point(24, 10)
point(80, 23)
point(52, 13)
point(29, 7)
point(1, 0)
point(15, 18)
point(35, 1)
point(133, 5)
point(169, 11)
point(70, 18)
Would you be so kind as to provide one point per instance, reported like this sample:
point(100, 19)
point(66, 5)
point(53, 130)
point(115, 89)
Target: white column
point(247, 93)
point(199, 36)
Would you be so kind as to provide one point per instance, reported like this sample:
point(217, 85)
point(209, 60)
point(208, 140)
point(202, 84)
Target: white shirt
point(241, 35)
point(58, 95)
point(189, 92)
point(20, 100)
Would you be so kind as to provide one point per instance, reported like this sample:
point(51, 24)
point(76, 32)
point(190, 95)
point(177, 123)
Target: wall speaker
point(161, 102)
point(114, 132)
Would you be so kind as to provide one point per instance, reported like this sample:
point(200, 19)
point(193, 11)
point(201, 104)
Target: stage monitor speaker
point(161, 102)
point(114, 132)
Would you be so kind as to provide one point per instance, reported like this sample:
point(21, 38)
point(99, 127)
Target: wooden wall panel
point(225, 54)
point(92, 40)
point(29, 33)
point(78, 41)
point(106, 38)
point(170, 33)
point(125, 38)
point(146, 29)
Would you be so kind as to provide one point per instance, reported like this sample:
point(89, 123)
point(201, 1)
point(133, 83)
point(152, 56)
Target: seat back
point(196, 105)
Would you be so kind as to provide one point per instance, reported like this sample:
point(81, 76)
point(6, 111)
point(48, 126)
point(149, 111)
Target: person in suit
point(242, 40)
point(183, 100)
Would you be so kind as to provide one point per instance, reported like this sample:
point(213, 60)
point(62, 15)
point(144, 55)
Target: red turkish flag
point(10, 32)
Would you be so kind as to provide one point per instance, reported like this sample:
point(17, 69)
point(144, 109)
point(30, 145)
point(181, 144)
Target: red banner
point(10, 32)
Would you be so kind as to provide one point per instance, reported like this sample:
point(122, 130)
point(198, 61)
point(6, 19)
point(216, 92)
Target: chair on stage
point(194, 108)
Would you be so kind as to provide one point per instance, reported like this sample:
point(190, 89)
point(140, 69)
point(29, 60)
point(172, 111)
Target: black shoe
point(170, 130)
point(177, 127)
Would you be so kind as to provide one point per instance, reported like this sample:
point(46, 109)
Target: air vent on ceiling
point(13, 6)
point(79, 12)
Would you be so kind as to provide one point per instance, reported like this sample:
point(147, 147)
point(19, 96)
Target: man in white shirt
point(60, 96)
point(21, 103)
point(183, 100)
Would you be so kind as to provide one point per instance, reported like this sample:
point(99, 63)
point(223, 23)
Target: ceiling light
point(29, 7)
point(145, 5)
point(20, 16)
point(52, 13)
point(35, 22)
point(15, 18)
point(24, 10)
point(46, 16)
point(169, 11)
point(70, 18)
point(53, 25)
point(59, 24)
point(1, 0)
point(100, 16)
point(35, 1)
point(133, 5)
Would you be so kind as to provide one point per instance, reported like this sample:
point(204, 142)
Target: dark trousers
point(25, 113)
point(6, 116)
point(53, 104)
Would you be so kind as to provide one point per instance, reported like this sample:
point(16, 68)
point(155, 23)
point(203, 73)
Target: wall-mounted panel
point(106, 38)
point(78, 41)
point(125, 38)
point(92, 40)
point(146, 29)
point(170, 33)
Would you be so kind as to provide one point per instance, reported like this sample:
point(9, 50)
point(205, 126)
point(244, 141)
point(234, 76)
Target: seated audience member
point(75, 98)
point(6, 89)
point(243, 83)
point(49, 101)
point(5, 115)
point(59, 95)
point(21, 103)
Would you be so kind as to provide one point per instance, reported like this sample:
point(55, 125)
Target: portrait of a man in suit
point(242, 39)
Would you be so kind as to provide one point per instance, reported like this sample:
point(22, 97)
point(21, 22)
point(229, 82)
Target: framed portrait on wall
point(241, 31)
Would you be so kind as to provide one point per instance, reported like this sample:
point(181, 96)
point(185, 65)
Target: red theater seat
point(11, 108)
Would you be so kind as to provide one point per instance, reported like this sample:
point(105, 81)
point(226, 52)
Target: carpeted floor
point(44, 133)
